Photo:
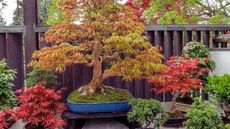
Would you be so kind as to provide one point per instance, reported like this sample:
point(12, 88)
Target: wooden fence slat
point(206, 38)
point(168, 52)
point(197, 36)
point(14, 48)
point(139, 88)
point(2, 46)
point(178, 42)
point(187, 37)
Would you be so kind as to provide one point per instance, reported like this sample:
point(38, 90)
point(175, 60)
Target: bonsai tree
point(7, 97)
point(146, 112)
point(107, 33)
point(180, 78)
point(203, 115)
point(219, 86)
point(38, 107)
point(5, 117)
point(38, 76)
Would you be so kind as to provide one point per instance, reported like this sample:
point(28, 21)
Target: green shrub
point(220, 87)
point(46, 76)
point(203, 115)
point(200, 51)
point(7, 97)
point(227, 126)
point(146, 112)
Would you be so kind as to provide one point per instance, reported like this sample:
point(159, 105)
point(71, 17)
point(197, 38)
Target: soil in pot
point(110, 95)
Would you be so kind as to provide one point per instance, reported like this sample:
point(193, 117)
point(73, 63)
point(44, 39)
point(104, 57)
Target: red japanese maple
point(181, 77)
point(5, 116)
point(139, 6)
point(39, 107)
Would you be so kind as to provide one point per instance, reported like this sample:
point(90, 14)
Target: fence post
point(30, 22)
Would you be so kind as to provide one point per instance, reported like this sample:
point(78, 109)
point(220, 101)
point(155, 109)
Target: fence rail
point(17, 43)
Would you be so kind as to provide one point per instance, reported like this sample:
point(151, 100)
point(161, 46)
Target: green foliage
point(7, 97)
point(111, 95)
point(200, 51)
point(55, 14)
point(37, 76)
point(203, 115)
point(220, 86)
point(227, 126)
point(146, 112)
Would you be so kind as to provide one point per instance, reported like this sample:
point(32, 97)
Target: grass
point(111, 95)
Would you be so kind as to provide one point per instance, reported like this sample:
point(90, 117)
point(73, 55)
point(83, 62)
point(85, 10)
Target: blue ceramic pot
point(106, 107)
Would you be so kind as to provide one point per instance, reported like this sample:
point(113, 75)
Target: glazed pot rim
point(115, 102)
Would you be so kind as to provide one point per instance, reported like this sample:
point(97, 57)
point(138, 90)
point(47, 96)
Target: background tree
point(2, 6)
point(43, 12)
point(107, 34)
point(182, 11)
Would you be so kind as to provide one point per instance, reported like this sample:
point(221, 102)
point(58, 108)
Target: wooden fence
point(17, 43)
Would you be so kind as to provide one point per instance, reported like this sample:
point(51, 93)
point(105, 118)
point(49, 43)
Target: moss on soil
point(112, 95)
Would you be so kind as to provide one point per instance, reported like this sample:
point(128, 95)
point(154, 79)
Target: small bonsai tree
point(203, 115)
point(200, 51)
point(38, 76)
point(108, 33)
point(7, 97)
point(180, 78)
point(38, 107)
point(147, 112)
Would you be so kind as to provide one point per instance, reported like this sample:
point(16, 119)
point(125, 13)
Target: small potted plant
point(180, 78)
point(203, 115)
point(219, 86)
point(39, 107)
point(146, 112)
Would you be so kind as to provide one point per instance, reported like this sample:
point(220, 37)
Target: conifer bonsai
point(107, 33)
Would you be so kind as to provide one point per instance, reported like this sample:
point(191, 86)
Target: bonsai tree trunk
point(173, 108)
point(96, 84)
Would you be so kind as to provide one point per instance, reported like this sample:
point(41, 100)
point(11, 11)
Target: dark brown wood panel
point(30, 21)
point(197, 36)
point(2, 46)
point(14, 48)
point(178, 42)
point(187, 37)
point(206, 38)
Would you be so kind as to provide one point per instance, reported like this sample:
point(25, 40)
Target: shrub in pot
point(38, 107)
point(146, 112)
point(108, 34)
point(180, 78)
point(199, 51)
point(203, 115)
point(7, 97)
point(219, 86)
point(37, 76)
